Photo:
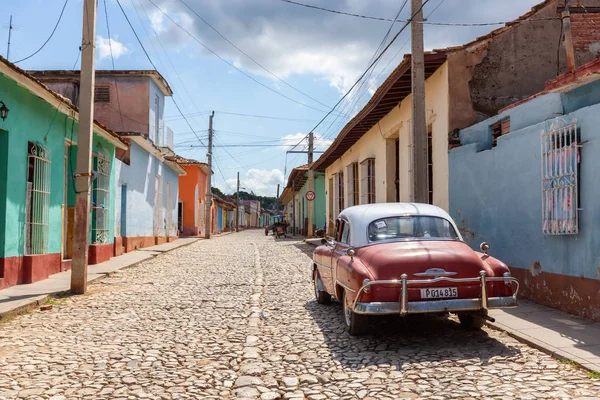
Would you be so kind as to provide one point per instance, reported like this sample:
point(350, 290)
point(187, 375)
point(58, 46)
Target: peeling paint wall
point(515, 64)
point(495, 193)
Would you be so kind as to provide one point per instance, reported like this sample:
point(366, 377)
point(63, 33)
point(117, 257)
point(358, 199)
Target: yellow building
point(374, 164)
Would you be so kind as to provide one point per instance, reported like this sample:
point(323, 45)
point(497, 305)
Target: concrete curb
point(37, 301)
point(543, 347)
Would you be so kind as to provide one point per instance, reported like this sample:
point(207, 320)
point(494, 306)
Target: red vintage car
point(407, 258)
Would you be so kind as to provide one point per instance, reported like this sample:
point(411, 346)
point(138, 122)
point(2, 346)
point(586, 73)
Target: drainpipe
point(566, 21)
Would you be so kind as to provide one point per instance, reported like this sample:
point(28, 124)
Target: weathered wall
point(495, 195)
point(126, 112)
point(139, 176)
point(515, 64)
point(192, 192)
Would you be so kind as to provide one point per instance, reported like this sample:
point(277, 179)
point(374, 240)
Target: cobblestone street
point(235, 317)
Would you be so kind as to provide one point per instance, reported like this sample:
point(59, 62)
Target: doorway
point(180, 216)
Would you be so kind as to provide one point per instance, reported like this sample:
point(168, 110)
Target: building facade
point(131, 103)
point(532, 192)
point(38, 150)
point(296, 204)
point(371, 160)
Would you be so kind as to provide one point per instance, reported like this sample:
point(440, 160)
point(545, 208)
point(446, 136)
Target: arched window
point(37, 201)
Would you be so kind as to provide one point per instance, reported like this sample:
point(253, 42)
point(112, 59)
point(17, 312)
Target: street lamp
point(3, 111)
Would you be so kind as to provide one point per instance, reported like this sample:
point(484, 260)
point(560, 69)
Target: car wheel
point(322, 296)
point(472, 320)
point(355, 323)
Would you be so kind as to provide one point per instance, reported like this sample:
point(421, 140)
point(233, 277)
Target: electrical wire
point(368, 68)
point(49, 37)
point(112, 59)
point(174, 117)
point(233, 65)
point(153, 65)
point(395, 20)
point(250, 57)
point(183, 85)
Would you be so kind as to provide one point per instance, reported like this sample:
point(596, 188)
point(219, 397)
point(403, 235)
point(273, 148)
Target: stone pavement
point(235, 318)
point(555, 332)
point(20, 297)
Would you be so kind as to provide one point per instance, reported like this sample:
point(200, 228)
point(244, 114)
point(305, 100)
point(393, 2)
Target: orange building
point(192, 196)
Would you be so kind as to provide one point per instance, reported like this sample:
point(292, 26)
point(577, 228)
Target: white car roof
point(361, 216)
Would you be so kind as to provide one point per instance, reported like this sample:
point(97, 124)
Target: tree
point(217, 191)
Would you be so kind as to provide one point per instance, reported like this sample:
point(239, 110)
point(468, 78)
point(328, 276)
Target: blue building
point(146, 184)
point(526, 181)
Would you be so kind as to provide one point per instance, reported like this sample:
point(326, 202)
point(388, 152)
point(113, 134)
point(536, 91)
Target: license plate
point(439, 293)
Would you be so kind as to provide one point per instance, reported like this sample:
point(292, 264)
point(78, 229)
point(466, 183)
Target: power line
point(231, 64)
point(112, 59)
point(398, 20)
point(174, 117)
point(250, 57)
point(150, 60)
point(49, 37)
point(367, 70)
point(183, 85)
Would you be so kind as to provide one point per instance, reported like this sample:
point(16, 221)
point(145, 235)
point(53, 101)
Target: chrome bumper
point(404, 307)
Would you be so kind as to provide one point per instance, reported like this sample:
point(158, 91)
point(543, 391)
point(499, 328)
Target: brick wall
point(586, 30)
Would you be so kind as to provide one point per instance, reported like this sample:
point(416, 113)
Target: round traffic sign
point(310, 195)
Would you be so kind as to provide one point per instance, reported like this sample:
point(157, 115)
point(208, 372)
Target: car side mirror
point(485, 247)
point(350, 253)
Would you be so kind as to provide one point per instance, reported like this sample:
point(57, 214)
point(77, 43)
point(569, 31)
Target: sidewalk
point(554, 332)
point(20, 297)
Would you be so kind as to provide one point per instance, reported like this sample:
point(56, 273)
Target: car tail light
point(368, 288)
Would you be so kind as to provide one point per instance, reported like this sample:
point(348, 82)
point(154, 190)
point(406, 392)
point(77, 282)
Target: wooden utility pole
point(419, 124)
point(83, 174)
point(237, 202)
point(311, 186)
point(566, 20)
point(208, 211)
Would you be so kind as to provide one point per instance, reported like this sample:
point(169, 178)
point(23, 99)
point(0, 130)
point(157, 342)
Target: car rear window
point(416, 227)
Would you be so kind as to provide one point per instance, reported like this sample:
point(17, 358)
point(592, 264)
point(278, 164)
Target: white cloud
point(291, 40)
point(289, 141)
point(262, 182)
point(103, 47)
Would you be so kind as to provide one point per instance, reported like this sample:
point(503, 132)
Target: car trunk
point(388, 261)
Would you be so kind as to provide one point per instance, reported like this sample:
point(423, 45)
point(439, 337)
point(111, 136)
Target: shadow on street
point(395, 340)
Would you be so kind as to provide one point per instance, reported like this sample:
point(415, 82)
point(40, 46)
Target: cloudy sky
point(269, 69)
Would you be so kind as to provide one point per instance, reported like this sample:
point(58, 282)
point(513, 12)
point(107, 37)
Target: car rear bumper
point(404, 307)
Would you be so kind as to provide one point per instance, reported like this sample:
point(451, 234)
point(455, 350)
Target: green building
point(38, 150)
point(295, 201)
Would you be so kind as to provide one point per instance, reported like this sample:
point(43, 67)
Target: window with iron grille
point(340, 191)
point(560, 177)
point(352, 172)
point(101, 199)
point(498, 129)
point(102, 94)
point(37, 200)
point(367, 190)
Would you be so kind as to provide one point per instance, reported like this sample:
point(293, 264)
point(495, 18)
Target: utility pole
point(311, 188)
point(237, 203)
point(566, 20)
point(83, 174)
point(419, 124)
point(277, 198)
point(10, 28)
point(208, 213)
